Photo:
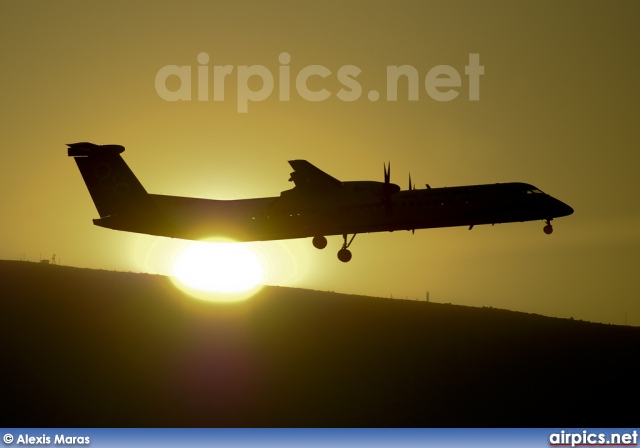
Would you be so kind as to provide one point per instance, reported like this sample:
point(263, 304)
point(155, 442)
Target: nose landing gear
point(548, 229)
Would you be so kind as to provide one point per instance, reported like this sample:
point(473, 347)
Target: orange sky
point(557, 109)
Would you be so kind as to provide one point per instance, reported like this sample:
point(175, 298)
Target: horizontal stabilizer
point(85, 149)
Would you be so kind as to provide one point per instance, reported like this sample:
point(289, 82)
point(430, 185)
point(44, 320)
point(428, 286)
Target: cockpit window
point(534, 191)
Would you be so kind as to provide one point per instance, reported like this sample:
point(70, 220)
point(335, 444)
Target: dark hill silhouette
point(83, 347)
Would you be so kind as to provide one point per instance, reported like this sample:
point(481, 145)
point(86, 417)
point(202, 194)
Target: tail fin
point(114, 188)
point(121, 200)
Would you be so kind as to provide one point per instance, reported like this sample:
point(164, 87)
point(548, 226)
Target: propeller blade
point(386, 200)
point(388, 189)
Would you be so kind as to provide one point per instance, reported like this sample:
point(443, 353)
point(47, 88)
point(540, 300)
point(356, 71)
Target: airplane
point(317, 206)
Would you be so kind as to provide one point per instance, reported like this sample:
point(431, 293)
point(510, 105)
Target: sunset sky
point(557, 108)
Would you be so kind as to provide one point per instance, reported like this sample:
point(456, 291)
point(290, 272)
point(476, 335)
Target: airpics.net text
point(440, 82)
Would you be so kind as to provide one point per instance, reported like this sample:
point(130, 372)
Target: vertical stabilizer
point(113, 187)
point(119, 197)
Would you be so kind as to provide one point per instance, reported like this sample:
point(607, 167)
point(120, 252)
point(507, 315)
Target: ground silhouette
point(97, 348)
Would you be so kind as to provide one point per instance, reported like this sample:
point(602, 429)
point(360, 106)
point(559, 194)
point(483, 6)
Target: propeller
point(388, 189)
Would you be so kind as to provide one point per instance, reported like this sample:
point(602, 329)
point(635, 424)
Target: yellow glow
point(218, 271)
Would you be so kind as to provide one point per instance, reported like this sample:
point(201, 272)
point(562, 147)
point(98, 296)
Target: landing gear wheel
point(319, 242)
point(548, 229)
point(344, 255)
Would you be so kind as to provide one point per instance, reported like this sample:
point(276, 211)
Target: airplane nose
point(562, 209)
point(569, 210)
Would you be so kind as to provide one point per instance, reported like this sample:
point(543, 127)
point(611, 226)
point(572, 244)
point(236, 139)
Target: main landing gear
point(548, 229)
point(344, 254)
point(319, 242)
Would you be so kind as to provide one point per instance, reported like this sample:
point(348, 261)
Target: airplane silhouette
point(319, 205)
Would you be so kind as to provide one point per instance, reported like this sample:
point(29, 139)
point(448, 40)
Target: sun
point(218, 271)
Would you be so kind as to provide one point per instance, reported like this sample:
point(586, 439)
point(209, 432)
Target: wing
point(308, 177)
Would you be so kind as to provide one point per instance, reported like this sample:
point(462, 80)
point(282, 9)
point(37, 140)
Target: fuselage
point(352, 208)
point(319, 205)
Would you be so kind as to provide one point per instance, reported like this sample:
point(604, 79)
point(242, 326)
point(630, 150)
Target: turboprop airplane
point(319, 205)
